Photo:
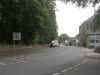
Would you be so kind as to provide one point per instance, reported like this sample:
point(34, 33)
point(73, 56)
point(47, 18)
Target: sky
point(69, 17)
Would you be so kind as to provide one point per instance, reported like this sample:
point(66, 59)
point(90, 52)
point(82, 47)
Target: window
point(87, 26)
point(93, 41)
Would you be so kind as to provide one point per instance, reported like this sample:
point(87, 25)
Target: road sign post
point(16, 37)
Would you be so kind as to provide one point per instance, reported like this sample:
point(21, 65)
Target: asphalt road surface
point(65, 60)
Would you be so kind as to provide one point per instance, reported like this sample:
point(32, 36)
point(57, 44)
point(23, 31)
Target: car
point(54, 43)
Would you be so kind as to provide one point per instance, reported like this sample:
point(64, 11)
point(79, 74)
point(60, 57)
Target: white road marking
point(71, 67)
point(75, 65)
point(64, 70)
point(19, 60)
point(2, 63)
point(56, 74)
point(85, 60)
point(15, 58)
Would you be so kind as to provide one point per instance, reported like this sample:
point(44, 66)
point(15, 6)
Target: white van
point(54, 43)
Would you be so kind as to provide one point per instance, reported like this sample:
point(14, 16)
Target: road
point(50, 61)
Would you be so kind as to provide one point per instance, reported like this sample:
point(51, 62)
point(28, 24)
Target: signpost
point(16, 36)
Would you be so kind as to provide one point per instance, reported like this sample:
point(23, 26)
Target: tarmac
point(92, 54)
point(89, 52)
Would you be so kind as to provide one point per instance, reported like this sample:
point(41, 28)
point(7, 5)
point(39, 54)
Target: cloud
point(69, 17)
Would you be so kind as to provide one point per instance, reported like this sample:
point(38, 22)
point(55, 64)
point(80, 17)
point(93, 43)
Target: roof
point(88, 20)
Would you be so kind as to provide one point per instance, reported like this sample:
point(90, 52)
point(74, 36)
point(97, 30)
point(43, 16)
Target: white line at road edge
point(71, 67)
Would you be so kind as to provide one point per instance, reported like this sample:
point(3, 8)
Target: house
point(87, 36)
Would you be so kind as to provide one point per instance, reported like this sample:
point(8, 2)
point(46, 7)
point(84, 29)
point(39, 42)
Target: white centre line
point(71, 67)
point(56, 74)
point(64, 70)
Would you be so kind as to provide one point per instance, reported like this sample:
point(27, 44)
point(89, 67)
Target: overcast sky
point(69, 17)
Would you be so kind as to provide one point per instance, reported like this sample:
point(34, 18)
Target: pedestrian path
point(91, 54)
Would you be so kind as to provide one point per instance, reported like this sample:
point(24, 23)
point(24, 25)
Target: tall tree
point(63, 37)
point(49, 30)
point(82, 3)
point(33, 18)
point(96, 20)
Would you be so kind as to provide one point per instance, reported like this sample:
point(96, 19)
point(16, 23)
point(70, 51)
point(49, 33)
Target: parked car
point(54, 43)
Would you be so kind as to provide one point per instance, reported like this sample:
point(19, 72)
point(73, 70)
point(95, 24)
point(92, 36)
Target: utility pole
point(95, 30)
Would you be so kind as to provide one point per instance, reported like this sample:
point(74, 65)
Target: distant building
point(71, 41)
point(77, 40)
point(87, 36)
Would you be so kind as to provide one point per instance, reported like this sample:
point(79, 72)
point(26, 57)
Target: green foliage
point(62, 38)
point(82, 3)
point(49, 30)
point(96, 20)
point(35, 19)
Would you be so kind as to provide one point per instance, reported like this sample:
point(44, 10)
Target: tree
point(20, 16)
point(62, 38)
point(49, 30)
point(82, 3)
point(35, 19)
point(96, 20)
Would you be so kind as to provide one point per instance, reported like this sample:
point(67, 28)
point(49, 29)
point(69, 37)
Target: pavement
point(92, 54)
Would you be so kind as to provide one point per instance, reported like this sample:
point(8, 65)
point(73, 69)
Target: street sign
point(16, 35)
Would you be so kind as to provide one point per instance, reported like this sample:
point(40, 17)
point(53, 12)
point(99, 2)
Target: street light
point(93, 7)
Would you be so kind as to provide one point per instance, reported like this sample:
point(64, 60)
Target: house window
point(93, 41)
point(87, 26)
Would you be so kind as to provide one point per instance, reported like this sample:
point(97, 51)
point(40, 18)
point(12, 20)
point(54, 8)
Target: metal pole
point(14, 43)
point(95, 41)
point(76, 38)
point(62, 39)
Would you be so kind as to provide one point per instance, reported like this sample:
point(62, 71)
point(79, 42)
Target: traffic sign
point(16, 35)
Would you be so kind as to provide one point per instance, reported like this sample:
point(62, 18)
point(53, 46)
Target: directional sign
point(16, 35)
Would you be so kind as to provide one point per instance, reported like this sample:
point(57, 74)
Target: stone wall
point(12, 48)
point(6, 48)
